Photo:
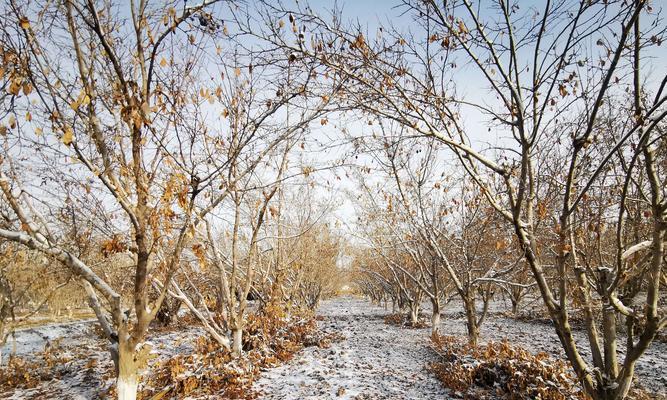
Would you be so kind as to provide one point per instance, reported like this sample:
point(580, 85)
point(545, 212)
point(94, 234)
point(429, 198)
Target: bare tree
point(117, 106)
point(547, 74)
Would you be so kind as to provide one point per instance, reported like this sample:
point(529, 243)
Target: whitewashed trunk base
point(126, 387)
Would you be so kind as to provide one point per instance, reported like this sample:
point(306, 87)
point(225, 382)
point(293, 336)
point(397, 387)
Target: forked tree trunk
point(414, 313)
point(515, 306)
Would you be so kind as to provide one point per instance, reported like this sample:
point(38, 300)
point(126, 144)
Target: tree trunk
point(471, 316)
point(624, 382)
point(435, 318)
point(127, 380)
point(515, 306)
point(237, 341)
point(414, 313)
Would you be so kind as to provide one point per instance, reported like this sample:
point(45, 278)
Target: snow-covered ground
point(540, 336)
point(374, 361)
point(379, 361)
point(83, 369)
point(32, 340)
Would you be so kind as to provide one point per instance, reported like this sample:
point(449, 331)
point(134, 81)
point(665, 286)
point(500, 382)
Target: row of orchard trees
point(152, 154)
point(430, 235)
point(555, 116)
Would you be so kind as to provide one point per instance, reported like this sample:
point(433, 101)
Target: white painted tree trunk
point(237, 344)
point(435, 321)
point(126, 386)
point(414, 314)
point(127, 380)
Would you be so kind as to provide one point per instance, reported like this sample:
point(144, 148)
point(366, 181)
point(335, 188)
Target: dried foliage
point(28, 373)
point(57, 361)
point(273, 336)
point(500, 370)
point(402, 320)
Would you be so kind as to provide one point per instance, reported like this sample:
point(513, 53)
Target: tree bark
point(515, 306)
point(471, 316)
point(414, 313)
point(435, 318)
point(127, 380)
point(237, 342)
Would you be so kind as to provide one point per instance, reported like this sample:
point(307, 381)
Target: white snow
point(379, 361)
point(375, 360)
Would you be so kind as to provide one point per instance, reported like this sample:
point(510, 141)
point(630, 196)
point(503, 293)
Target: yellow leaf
point(85, 100)
point(24, 23)
point(28, 116)
point(15, 87)
point(68, 136)
point(27, 88)
point(38, 131)
point(237, 71)
point(462, 27)
point(163, 62)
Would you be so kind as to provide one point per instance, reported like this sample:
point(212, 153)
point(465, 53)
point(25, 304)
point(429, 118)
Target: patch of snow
point(375, 361)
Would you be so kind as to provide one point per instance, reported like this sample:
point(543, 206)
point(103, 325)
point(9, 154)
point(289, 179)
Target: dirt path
point(380, 361)
point(375, 361)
